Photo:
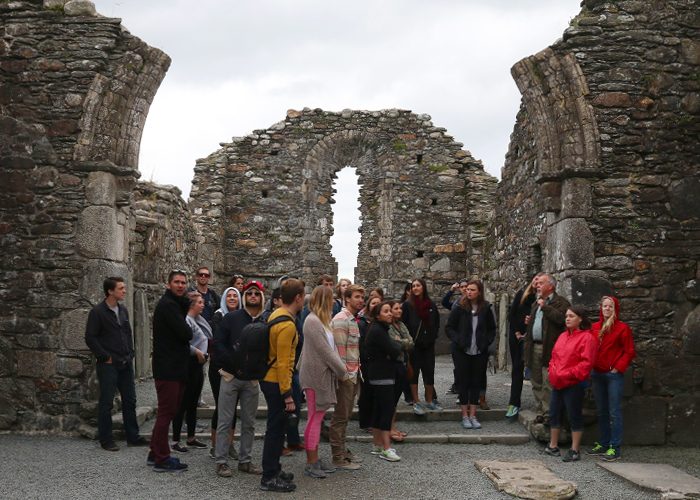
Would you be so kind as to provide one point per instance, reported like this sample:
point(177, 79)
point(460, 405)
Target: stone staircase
point(434, 427)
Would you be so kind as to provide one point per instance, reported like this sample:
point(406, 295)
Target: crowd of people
point(341, 345)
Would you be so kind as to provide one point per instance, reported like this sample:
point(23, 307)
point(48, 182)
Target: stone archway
point(263, 201)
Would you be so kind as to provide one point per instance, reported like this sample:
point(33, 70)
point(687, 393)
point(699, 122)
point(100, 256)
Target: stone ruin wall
point(263, 202)
point(600, 187)
point(163, 239)
point(74, 93)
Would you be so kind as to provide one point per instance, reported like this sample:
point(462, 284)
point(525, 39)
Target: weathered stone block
point(98, 234)
point(575, 198)
point(101, 189)
point(73, 329)
point(685, 204)
point(96, 270)
point(684, 420)
point(569, 245)
point(644, 421)
point(70, 367)
point(79, 8)
point(36, 364)
point(691, 332)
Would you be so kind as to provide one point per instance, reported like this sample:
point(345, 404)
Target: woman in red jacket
point(615, 352)
point(569, 368)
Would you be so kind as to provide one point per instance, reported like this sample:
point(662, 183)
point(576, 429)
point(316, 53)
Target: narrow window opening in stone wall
point(419, 253)
point(419, 159)
point(345, 240)
point(264, 193)
point(274, 152)
point(534, 263)
point(433, 201)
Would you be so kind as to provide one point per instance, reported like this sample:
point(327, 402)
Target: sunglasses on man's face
point(248, 294)
point(204, 275)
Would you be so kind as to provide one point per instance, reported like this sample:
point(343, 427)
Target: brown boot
point(482, 403)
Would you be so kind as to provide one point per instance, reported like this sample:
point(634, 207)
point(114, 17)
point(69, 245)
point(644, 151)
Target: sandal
point(397, 437)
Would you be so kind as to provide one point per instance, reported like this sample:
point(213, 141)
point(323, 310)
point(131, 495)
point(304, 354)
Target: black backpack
point(251, 350)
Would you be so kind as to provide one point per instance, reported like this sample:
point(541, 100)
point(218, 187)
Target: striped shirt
point(346, 334)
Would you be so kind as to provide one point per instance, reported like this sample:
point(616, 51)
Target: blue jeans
point(275, 430)
point(113, 377)
point(607, 389)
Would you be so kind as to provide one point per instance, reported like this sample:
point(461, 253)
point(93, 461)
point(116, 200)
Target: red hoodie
point(616, 348)
point(572, 358)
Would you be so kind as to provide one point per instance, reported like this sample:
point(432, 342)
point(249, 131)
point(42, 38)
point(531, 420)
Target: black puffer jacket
point(459, 327)
point(171, 338)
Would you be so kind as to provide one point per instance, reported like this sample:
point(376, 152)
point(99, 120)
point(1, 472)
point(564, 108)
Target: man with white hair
point(544, 324)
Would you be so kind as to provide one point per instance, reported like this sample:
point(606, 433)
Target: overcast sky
point(239, 65)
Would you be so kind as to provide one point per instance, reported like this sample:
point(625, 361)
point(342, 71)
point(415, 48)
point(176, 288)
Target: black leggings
point(365, 402)
point(517, 369)
point(423, 360)
point(471, 372)
point(188, 407)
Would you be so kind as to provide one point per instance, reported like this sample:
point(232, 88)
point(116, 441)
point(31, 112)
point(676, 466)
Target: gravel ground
point(64, 467)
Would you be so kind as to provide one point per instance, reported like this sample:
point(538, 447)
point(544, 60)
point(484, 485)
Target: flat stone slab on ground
point(671, 482)
point(526, 479)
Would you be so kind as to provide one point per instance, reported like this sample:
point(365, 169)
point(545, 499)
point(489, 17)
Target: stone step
point(436, 431)
point(143, 415)
point(404, 413)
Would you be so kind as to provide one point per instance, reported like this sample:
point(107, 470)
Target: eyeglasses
point(204, 275)
point(253, 293)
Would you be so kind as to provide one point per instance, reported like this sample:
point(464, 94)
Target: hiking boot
point(483, 404)
point(352, 457)
point(278, 484)
point(315, 471)
point(223, 470)
point(612, 455)
point(418, 409)
point(110, 446)
point(179, 447)
point(466, 423)
point(249, 468)
point(170, 464)
point(389, 455)
point(286, 476)
point(345, 464)
point(475, 423)
point(140, 441)
point(195, 443)
point(596, 449)
point(571, 456)
point(555, 452)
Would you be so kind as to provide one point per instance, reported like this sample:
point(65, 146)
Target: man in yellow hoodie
point(277, 386)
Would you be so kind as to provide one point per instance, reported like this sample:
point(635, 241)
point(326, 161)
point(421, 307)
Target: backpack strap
point(277, 321)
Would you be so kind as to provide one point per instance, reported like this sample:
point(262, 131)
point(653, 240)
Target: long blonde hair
point(321, 304)
point(608, 323)
point(530, 288)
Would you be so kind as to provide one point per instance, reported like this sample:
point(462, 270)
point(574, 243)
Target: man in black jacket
point(108, 335)
point(171, 352)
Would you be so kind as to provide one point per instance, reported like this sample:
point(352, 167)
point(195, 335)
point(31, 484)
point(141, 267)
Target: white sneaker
point(418, 409)
point(475, 423)
point(466, 423)
point(389, 455)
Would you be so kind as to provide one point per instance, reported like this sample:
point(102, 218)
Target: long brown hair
point(479, 302)
point(321, 304)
